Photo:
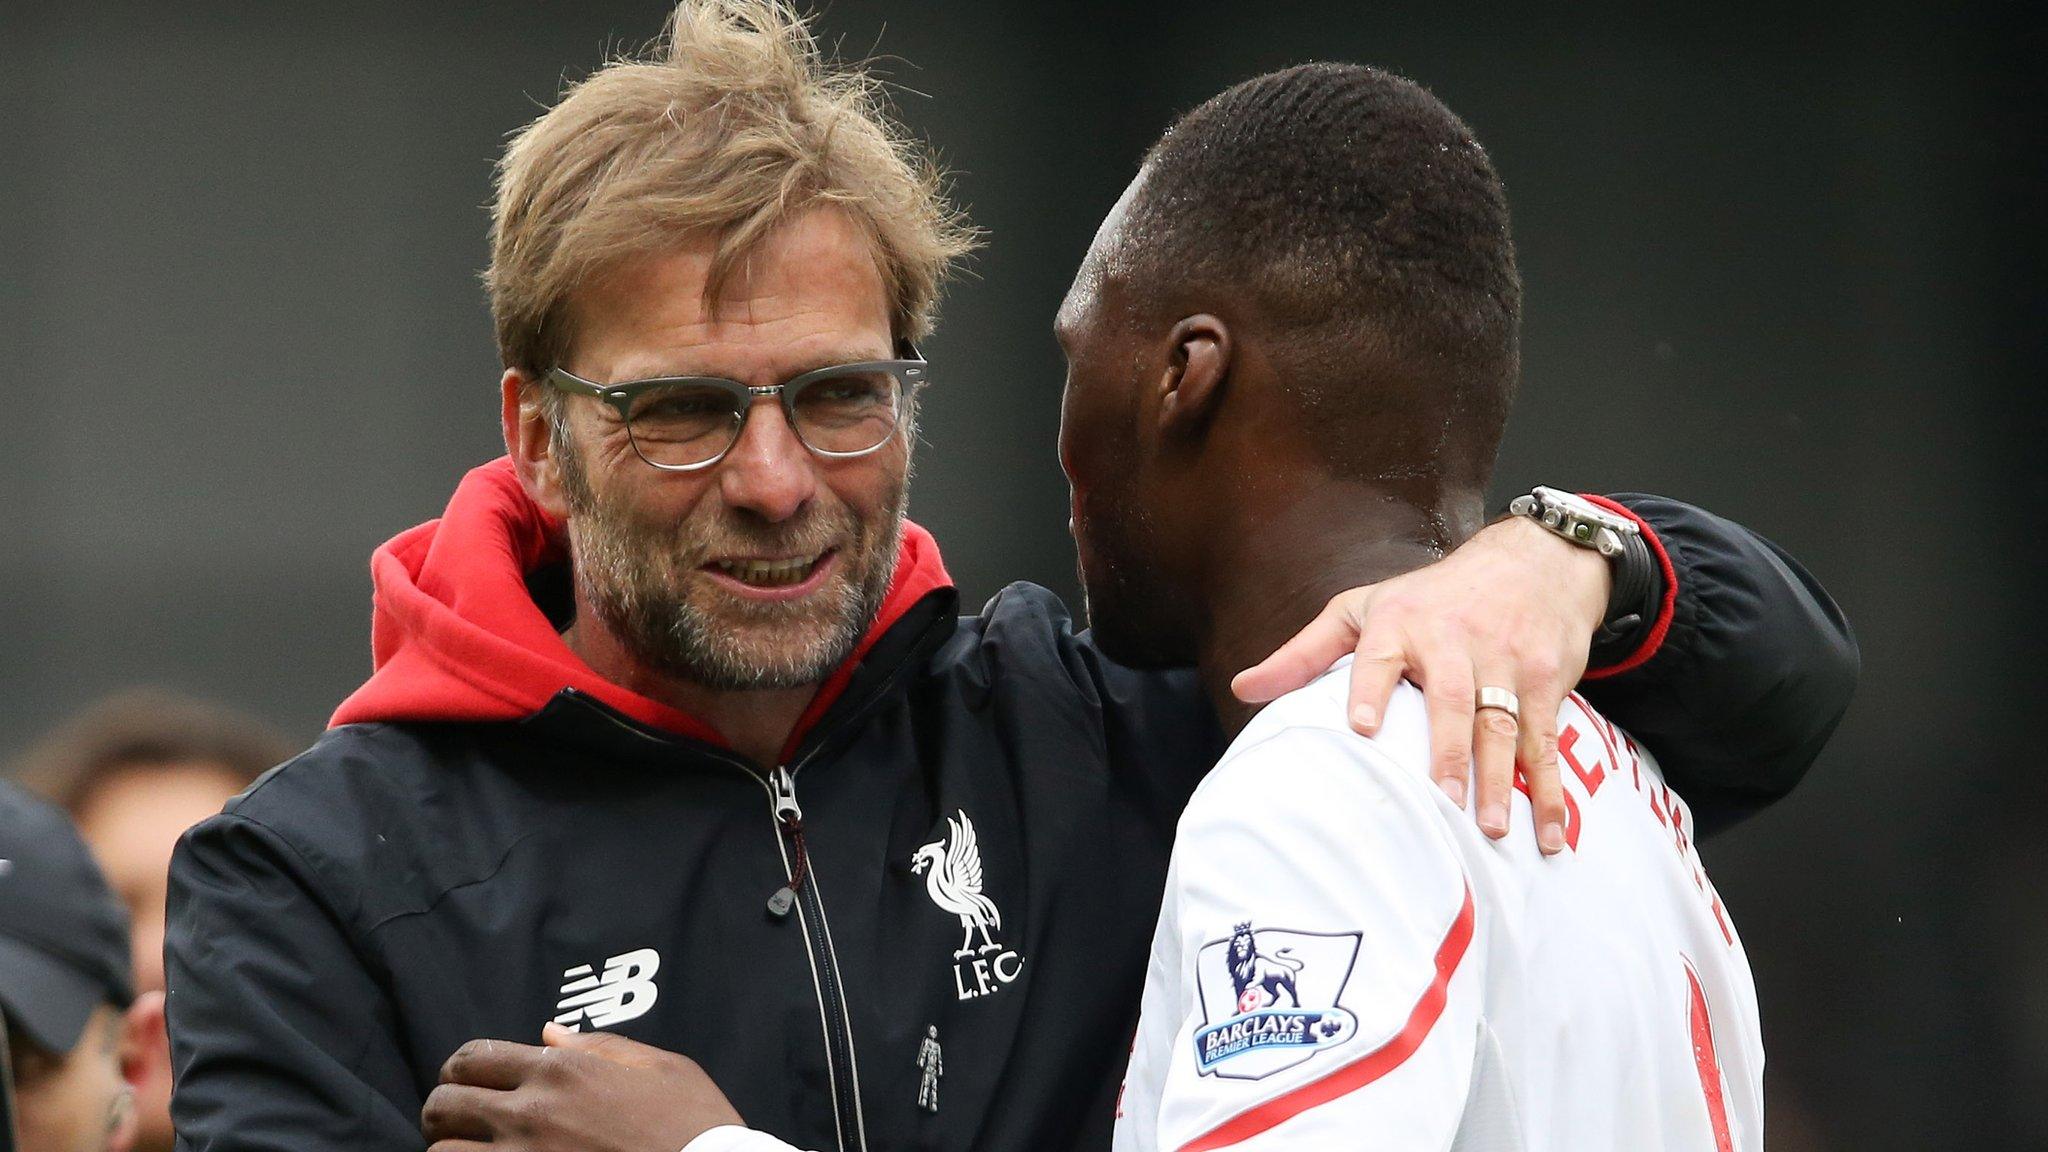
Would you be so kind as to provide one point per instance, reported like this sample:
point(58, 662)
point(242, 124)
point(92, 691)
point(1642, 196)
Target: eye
point(847, 412)
point(848, 393)
point(682, 404)
point(682, 414)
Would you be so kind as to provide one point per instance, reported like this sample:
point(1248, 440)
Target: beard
point(644, 581)
point(1136, 614)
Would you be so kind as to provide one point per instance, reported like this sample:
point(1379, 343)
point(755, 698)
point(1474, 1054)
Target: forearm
point(1742, 675)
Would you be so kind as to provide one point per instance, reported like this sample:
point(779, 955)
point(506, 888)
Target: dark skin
point(577, 1092)
point(1194, 483)
point(1252, 557)
point(1259, 556)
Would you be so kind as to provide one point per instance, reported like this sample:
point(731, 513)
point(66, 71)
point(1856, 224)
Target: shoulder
point(423, 806)
point(1310, 837)
point(1022, 623)
point(1304, 741)
point(351, 771)
point(1302, 792)
point(1026, 639)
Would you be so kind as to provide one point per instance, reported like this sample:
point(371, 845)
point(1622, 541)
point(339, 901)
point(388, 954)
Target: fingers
point(1538, 755)
point(1328, 637)
point(1381, 661)
point(458, 1113)
point(1448, 694)
point(1494, 734)
point(499, 1064)
point(609, 1045)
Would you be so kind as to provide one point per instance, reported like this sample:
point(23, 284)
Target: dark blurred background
point(1782, 262)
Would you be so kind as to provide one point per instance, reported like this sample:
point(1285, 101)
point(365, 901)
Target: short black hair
point(1357, 215)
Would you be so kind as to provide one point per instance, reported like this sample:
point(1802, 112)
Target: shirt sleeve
point(733, 1138)
point(280, 1038)
point(1329, 977)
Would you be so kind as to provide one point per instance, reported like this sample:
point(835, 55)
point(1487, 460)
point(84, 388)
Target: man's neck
point(757, 722)
point(1286, 560)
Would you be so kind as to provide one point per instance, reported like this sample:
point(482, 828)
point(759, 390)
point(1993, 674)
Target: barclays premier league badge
point(1270, 999)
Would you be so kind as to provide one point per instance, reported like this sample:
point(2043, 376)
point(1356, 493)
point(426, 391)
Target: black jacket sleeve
point(1753, 670)
point(281, 1038)
point(1737, 686)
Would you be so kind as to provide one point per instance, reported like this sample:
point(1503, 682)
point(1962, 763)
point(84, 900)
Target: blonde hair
point(729, 124)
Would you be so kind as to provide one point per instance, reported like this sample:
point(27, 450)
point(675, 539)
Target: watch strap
point(1636, 593)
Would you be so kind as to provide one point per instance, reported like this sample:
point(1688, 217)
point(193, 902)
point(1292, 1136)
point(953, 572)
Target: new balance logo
point(624, 992)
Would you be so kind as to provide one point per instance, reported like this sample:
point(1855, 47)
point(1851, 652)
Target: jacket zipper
point(801, 891)
point(803, 894)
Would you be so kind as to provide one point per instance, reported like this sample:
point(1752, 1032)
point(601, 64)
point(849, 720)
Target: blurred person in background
point(78, 1036)
point(569, 793)
point(135, 771)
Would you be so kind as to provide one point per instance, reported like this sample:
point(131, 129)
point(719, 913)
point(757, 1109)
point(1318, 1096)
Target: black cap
point(63, 936)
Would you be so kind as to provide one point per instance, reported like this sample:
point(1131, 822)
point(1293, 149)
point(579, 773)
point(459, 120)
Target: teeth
point(769, 574)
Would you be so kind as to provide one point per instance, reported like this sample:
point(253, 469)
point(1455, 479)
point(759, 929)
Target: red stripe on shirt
point(1364, 1070)
point(1708, 1062)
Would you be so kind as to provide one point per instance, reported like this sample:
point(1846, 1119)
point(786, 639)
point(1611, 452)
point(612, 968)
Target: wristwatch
point(1638, 587)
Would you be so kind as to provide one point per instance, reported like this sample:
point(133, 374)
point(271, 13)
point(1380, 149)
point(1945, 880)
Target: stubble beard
point(1136, 614)
point(642, 580)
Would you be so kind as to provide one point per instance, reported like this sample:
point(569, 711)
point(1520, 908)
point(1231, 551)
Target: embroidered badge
point(1271, 999)
point(952, 872)
point(932, 1065)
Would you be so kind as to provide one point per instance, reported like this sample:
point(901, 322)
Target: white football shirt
point(1344, 960)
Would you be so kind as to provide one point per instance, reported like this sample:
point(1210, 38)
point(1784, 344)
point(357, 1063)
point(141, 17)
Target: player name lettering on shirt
point(1593, 750)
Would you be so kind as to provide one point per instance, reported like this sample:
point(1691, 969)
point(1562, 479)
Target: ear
point(1197, 365)
point(530, 441)
point(145, 1046)
point(145, 1065)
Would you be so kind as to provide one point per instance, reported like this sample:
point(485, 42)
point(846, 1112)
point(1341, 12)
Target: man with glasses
point(676, 733)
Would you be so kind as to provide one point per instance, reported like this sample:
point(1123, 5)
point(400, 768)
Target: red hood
point(455, 634)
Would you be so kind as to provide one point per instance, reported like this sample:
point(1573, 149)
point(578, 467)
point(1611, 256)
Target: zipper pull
point(786, 810)
point(791, 819)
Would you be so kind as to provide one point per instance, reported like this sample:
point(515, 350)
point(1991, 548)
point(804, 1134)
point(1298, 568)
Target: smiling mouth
point(771, 573)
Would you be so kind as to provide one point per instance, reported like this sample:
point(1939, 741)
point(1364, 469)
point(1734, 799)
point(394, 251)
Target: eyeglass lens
point(682, 424)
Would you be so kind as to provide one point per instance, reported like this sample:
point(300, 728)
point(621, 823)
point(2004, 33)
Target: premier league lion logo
point(1271, 999)
point(1260, 979)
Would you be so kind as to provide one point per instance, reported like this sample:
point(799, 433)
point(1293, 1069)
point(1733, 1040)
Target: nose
point(768, 471)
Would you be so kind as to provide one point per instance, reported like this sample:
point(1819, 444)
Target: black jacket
point(409, 884)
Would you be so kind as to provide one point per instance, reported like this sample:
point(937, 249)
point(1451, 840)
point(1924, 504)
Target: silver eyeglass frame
point(910, 373)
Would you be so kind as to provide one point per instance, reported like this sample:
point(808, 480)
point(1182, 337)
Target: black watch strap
point(1632, 604)
point(1637, 592)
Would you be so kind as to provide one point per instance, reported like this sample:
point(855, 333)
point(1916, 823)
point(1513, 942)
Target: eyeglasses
point(684, 423)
